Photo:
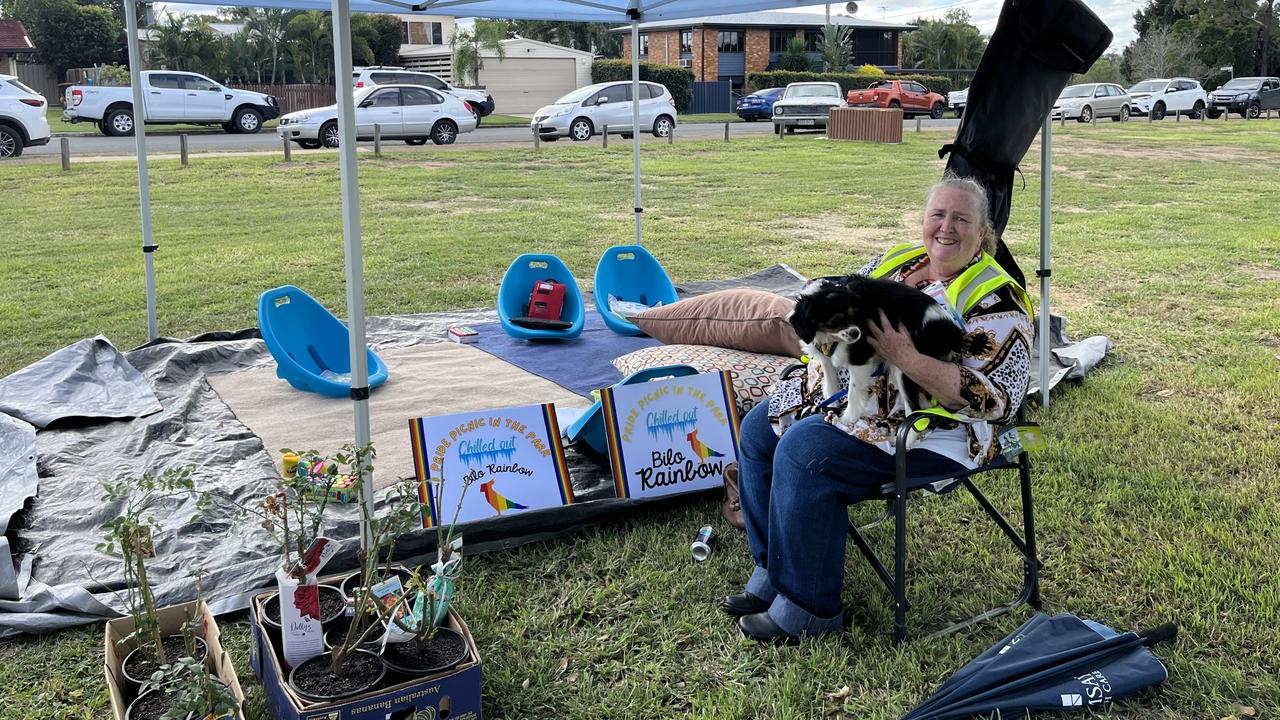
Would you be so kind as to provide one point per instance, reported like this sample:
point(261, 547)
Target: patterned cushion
point(751, 374)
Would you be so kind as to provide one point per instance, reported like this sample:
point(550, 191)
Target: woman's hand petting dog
point(892, 343)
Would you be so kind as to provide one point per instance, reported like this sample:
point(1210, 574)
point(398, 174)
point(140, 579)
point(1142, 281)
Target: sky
point(1117, 14)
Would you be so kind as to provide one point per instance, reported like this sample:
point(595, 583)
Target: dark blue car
point(758, 105)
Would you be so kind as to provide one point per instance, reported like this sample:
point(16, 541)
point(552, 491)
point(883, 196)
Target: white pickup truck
point(170, 98)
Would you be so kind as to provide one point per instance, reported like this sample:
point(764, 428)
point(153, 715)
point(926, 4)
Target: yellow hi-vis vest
point(969, 288)
point(964, 293)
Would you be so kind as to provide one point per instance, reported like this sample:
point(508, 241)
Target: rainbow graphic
point(700, 448)
point(499, 501)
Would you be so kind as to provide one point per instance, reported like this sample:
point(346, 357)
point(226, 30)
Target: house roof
point(511, 45)
point(14, 37)
point(765, 19)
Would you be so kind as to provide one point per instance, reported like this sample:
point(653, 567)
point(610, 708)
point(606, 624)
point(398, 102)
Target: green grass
point(57, 125)
point(1157, 499)
point(497, 120)
point(710, 118)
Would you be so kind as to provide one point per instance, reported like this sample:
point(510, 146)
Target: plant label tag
point(319, 554)
point(300, 627)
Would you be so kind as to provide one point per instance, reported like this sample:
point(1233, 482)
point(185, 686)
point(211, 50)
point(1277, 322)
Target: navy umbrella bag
point(1051, 663)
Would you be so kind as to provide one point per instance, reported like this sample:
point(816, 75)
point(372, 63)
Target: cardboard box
point(454, 695)
point(171, 619)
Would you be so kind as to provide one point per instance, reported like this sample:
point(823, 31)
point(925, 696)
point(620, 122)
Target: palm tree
point(267, 30)
point(836, 47)
point(311, 45)
point(468, 45)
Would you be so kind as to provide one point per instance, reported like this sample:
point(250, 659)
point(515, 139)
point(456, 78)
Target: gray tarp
point(71, 583)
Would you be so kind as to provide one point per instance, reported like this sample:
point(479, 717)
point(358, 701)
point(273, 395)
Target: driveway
point(269, 142)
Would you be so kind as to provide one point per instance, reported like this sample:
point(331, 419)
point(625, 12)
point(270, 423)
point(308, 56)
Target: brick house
point(729, 47)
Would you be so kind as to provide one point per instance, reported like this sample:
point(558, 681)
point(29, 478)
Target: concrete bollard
point(726, 128)
point(288, 151)
point(606, 136)
point(377, 140)
point(1093, 119)
point(1063, 118)
point(183, 149)
point(537, 136)
point(919, 123)
point(671, 136)
point(65, 148)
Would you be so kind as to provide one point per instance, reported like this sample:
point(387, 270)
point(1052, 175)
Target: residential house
point(14, 41)
point(533, 73)
point(729, 47)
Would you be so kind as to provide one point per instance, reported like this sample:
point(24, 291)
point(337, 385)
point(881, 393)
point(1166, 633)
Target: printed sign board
point(508, 460)
point(671, 436)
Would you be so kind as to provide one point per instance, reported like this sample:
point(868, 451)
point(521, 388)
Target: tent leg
point(635, 117)
point(353, 250)
point(1046, 229)
point(144, 179)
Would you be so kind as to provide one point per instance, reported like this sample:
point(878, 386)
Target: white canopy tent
point(632, 12)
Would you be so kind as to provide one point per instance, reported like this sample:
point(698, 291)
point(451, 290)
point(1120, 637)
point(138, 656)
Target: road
point(269, 142)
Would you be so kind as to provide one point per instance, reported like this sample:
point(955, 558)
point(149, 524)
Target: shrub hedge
point(677, 80)
point(848, 81)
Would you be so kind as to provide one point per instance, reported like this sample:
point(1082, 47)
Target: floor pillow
point(743, 319)
point(751, 374)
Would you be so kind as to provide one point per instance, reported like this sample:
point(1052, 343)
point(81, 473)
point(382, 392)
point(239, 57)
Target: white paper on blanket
point(343, 378)
point(302, 634)
point(671, 436)
point(507, 461)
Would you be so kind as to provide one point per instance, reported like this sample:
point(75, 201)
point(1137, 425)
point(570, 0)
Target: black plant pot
point(143, 708)
point(314, 681)
point(443, 652)
point(329, 595)
point(350, 584)
point(336, 633)
point(142, 667)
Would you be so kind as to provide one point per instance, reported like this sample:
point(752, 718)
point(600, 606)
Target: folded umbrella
point(1036, 46)
point(1051, 663)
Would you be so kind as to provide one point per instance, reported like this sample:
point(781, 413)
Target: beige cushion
point(750, 320)
point(750, 374)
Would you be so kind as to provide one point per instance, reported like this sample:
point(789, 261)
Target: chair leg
point(900, 568)
point(1031, 559)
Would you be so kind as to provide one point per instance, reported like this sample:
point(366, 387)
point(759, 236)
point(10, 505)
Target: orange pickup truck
point(912, 97)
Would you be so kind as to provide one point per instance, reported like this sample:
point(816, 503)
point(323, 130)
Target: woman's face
point(952, 229)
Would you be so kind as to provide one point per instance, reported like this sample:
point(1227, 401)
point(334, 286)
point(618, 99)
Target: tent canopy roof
point(610, 11)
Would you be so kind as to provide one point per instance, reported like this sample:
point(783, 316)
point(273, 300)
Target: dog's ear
point(801, 322)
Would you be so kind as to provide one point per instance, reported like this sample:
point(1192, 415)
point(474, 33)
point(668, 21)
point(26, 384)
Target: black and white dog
point(832, 318)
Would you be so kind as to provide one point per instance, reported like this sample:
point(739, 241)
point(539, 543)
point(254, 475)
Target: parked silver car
point(411, 113)
point(588, 110)
point(1090, 100)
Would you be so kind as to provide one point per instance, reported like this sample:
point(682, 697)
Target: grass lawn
point(1156, 500)
point(57, 125)
point(710, 118)
point(499, 120)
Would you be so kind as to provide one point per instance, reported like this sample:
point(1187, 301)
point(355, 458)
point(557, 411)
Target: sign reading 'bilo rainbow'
point(671, 436)
point(508, 460)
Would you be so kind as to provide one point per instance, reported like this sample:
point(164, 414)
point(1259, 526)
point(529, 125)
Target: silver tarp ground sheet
point(89, 413)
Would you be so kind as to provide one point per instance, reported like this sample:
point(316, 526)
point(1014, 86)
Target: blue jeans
point(795, 493)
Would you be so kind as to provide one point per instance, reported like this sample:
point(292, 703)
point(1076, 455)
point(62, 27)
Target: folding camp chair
point(896, 493)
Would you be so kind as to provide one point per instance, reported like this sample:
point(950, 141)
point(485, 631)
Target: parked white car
point(807, 105)
point(1090, 100)
point(1161, 96)
point(402, 112)
point(170, 97)
point(22, 117)
point(957, 99)
point(480, 100)
point(588, 110)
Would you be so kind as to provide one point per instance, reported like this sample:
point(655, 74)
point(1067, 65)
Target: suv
point(1161, 96)
point(386, 75)
point(1248, 96)
point(588, 110)
point(806, 104)
point(22, 117)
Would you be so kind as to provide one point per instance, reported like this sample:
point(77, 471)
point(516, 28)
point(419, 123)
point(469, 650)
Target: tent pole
point(635, 115)
point(354, 253)
point(1046, 216)
point(144, 178)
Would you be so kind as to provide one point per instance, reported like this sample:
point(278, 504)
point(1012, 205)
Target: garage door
point(522, 85)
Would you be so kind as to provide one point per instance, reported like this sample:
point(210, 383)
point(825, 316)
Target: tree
point(590, 37)
point(1163, 53)
point(181, 42)
point(468, 46)
point(1106, 69)
point(952, 42)
point(836, 47)
point(310, 46)
point(68, 35)
point(794, 57)
point(266, 30)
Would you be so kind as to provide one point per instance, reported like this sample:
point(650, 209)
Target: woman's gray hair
point(980, 201)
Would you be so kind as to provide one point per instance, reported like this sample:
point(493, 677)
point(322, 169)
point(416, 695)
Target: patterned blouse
point(994, 376)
